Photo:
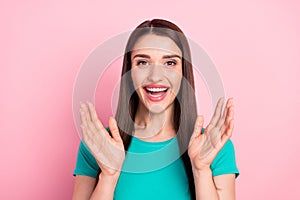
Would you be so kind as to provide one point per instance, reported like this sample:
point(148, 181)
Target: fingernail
point(90, 104)
point(113, 121)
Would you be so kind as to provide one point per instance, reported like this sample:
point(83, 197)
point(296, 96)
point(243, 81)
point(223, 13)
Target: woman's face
point(156, 71)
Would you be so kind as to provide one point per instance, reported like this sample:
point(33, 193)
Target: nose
point(156, 73)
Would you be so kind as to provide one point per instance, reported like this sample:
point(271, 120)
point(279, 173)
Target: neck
point(151, 126)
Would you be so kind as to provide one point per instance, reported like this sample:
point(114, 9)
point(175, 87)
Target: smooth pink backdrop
point(255, 45)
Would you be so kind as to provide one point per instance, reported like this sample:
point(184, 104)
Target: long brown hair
point(185, 110)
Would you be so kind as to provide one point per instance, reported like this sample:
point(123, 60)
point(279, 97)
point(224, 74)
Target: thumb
point(114, 129)
point(198, 126)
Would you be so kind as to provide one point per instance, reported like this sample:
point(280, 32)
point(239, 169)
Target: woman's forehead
point(159, 44)
point(155, 53)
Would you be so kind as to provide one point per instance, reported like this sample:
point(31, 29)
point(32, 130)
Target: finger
point(217, 113)
point(95, 128)
point(88, 124)
point(214, 135)
point(229, 117)
point(85, 108)
point(208, 129)
point(99, 130)
point(85, 135)
point(197, 127)
point(93, 113)
point(222, 119)
point(228, 133)
point(84, 125)
point(94, 117)
point(228, 106)
point(91, 140)
point(91, 126)
point(82, 117)
point(114, 129)
point(87, 111)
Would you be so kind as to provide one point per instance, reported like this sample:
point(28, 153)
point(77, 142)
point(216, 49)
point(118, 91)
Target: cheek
point(137, 78)
point(177, 78)
point(174, 76)
point(176, 82)
point(177, 86)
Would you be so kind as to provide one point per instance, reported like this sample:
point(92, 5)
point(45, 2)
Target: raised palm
point(203, 148)
point(107, 150)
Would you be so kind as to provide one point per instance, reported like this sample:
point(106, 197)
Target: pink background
point(255, 45)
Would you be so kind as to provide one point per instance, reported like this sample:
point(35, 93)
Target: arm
point(83, 188)
point(225, 185)
point(217, 187)
point(203, 150)
point(106, 187)
point(86, 189)
point(108, 151)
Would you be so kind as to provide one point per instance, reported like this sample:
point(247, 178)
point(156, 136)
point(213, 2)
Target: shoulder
point(86, 164)
point(225, 162)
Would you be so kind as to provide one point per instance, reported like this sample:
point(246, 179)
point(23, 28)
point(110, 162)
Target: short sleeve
point(224, 162)
point(85, 163)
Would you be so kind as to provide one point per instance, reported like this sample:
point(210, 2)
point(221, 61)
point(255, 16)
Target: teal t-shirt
point(154, 170)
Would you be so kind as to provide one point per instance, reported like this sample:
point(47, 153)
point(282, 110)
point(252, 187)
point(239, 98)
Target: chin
point(156, 108)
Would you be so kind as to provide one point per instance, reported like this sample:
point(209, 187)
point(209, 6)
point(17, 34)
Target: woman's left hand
point(203, 148)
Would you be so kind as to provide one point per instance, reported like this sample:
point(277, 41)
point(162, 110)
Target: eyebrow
point(147, 56)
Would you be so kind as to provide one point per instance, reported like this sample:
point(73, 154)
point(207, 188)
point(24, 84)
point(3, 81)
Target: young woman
point(169, 155)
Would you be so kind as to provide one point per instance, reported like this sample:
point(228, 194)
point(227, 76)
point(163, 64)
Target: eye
point(171, 62)
point(142, 62)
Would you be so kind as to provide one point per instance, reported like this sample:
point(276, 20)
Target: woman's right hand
point(108, 150)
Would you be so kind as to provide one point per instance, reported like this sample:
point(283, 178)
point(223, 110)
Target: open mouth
point(156, 93)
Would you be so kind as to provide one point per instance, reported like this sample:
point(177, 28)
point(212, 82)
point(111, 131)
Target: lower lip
point(155, 99)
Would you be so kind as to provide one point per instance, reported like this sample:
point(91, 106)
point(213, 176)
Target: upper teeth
point(156, 89)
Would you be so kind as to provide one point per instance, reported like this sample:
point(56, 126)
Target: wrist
point(200, 166)
point(204, 171)
point(109, 179)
